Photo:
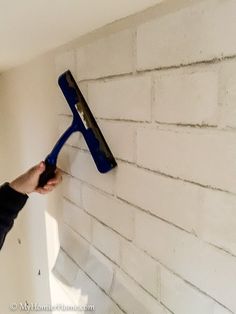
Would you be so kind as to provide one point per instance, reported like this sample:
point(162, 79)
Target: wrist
point(15, 186)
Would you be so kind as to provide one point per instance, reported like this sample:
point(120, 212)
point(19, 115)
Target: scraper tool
point(84, 122)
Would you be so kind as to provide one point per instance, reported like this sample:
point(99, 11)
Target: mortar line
point(108, 295)
point(158, 262)
point(97, 219)
point(117, 266)
point(150, 214)
point(154, 171)
point(215, 60)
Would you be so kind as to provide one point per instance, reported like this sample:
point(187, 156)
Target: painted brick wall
point(158, 234)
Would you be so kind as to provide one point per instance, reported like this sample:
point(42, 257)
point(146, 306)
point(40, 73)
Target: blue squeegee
point(84, 122)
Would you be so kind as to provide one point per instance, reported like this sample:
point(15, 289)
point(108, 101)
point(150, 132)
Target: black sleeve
point(11, 202)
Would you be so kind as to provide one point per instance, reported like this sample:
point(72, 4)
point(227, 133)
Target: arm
point(13, 196)
point(11, 202)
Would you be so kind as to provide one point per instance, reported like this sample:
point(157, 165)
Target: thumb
point(40, 168)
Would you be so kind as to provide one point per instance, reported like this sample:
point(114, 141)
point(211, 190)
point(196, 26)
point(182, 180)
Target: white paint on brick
point(195, 261)
point(71, 189)
point(83, 291)
point(114, 132)
point(181, 298)
point(110, 55)
point(74, 245)
point(106, 240)
point(81, 165)
point(175, 201)
point(132, 298)
point(77, 219)
point(204, 30)
point(126, 98)
point(186, 98)
point(112, 212)
point(140, 267)
point(64, 265)
point(218, 309)
point(216, 220)
point(94, 295)
point(96, 265)
point(100, 269)
point(195, 33)
point(210, 214)
point(206, 157)
point(228, 94)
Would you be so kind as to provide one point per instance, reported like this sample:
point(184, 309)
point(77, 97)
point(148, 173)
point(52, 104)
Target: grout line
point(205, 186)
point(65, 252)
point(216, 60)
point(97, 219)
point(156, 261)
point(116, 197)
point(116, 265)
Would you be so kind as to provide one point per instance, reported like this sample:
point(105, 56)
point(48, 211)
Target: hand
point(27, 182)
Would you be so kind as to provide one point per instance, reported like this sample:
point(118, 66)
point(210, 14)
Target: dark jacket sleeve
point(11, 202)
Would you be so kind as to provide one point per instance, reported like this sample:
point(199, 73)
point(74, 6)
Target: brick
point(77, 219)
point(106, 56)
point(113, 132)
point(206, 157)
point(100, 269)
point(123, 98)
point(114, 213)
point(90, 293)
point(181, 298)
point(194, 33)
point(83, 291)
point(74, 245)
point(81, 165)
point(140, 267)
point(218, 309)
point(133, 299)
point(152, 192)
point(216, 221)
point(66, 267)
point(97, 266)
point(207, 213)
point(106, 240)
point(228, 94)
point(71, 189)
point(186, 98)
point(193, 260)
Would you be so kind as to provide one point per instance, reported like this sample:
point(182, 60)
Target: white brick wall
point(158, 233)
point(107, 56)
point(195, 33)
point(123, 98)
point(114, 213)
point(205, 157)
point(186, 98)
point(197, 262)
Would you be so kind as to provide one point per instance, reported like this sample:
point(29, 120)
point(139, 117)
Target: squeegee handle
point(51, 160)
point(48, 174)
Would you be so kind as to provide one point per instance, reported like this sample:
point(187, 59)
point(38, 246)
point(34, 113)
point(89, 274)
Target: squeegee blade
point(85, 122)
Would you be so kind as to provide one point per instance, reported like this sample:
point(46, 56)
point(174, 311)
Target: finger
point(56, 180)
point(41, 191)
point(48, 188)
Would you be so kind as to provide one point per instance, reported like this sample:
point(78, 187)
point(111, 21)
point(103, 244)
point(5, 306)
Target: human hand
point(27, 182)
